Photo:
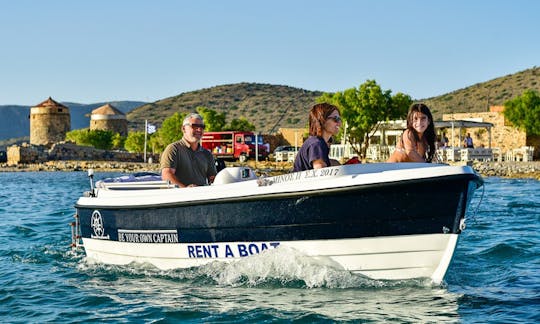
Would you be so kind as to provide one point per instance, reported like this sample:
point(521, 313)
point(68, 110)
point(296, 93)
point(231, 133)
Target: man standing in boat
point(185, 162)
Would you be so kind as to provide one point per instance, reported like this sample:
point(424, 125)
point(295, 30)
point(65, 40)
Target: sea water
point(494, 276)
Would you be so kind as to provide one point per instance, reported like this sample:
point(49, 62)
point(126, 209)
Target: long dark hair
point(429, 134)
point(318, 115)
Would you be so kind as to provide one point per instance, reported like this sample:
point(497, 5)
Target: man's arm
point(168, 174)
point(319, 164)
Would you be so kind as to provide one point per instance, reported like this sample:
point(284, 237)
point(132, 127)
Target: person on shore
point(186, 163)
point(417, 143)
point(324, 122)
point(468, 142)
point(444, 141)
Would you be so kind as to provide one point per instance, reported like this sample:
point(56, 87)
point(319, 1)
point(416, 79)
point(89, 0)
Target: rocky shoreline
point(508, 169)
point(486, 169)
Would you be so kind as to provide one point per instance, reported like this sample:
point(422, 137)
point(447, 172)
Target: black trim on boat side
point(422, 206)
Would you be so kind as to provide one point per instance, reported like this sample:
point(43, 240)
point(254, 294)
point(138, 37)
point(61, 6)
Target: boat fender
point(462, 224)
point(234, 174)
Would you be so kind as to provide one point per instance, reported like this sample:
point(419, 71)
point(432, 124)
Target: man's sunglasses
point(201, 126)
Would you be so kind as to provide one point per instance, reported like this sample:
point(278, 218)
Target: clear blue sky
point(106, 50)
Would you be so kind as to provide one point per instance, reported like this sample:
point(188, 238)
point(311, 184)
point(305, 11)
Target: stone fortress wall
point(24, 154)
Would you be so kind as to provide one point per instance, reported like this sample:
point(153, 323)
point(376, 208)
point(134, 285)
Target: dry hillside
point(270, 107)
point(479, 97)
point(266, 106)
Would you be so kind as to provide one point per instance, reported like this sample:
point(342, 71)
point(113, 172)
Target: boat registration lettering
point(237, 250)
point(308, 174)
point(325, 172)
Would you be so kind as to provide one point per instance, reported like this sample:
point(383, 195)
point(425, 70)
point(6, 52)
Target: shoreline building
point(108, 117)
point(49, 122)
point(510, 142)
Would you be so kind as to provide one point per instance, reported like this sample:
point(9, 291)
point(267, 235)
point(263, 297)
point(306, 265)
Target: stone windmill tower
point(49, 122)
point(107, 117)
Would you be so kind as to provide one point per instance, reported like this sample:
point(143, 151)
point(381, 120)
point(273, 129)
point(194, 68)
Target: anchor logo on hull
point(96, 223)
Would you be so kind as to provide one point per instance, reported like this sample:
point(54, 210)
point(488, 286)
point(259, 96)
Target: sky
point(109, 50)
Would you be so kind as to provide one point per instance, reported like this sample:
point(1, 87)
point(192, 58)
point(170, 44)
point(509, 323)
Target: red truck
point(232, 145)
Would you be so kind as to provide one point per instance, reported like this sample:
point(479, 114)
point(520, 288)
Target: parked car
point(286, 148)
point(285, 153)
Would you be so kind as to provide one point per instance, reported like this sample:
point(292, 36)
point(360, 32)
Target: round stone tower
point(107, 117)
point(49, 123)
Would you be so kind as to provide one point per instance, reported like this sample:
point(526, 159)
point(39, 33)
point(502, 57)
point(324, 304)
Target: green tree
point(213, 120)
point(524, 112)
point(118, 141)
point(240, 124)
point(79, 136)
point(135, 142)
point(100, 139)
point(363, 109)
point(400, 106)
point(169, 132)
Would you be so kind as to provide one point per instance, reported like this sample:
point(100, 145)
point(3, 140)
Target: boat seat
point(140, 180)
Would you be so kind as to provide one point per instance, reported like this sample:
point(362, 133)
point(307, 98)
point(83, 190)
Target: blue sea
point(494, 276)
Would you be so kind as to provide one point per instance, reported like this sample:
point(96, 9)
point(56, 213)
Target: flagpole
point(145, 131)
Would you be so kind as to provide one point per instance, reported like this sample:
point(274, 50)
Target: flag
point(150, 129)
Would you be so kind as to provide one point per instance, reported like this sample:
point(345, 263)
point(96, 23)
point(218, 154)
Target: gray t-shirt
point(192, 167)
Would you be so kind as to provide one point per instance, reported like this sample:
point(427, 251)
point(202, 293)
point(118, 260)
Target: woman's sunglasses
point(337, 119)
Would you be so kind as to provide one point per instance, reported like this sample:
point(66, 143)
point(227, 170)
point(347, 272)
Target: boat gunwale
point(290, 194)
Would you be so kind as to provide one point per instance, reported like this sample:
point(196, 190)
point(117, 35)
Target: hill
point(15, 124)
point(479, 97)
point(268, 107)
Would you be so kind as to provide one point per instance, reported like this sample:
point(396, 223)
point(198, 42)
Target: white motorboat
point(381, 220)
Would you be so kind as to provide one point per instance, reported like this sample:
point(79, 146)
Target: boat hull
point(388, 258)
point(407, 228)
